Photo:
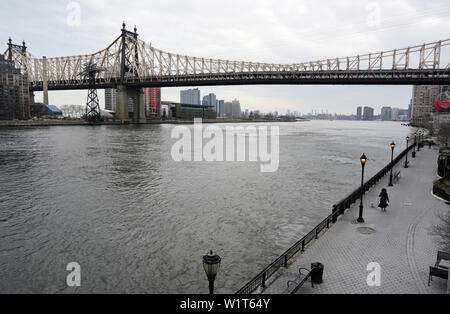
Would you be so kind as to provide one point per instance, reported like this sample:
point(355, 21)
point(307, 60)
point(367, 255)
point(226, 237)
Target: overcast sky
point(281, 31)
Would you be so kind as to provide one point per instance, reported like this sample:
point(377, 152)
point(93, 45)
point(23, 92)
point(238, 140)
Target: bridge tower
point(128, 96)
point(92, 106)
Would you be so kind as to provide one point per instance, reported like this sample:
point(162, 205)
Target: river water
point(112, 199)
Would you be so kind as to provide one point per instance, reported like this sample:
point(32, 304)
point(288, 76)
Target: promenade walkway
point(401, 242)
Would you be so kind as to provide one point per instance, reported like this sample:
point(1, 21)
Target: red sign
point(440, 103)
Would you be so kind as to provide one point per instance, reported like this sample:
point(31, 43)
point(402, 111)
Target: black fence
point(300, 246)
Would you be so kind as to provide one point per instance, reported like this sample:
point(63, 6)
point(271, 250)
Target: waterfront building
point(165, 112)
point(395, 113)
point(40, 110)
point(152, 102)
point(236, 109)
point(403, 115)
point(110, 99)
point(210, 101)
point(359, 113)
point(368, 113)
point(410, 109)
point(423, 98)
point(221, 107)
point(386, 113)
point(228, 106)
point(188, 112)
point(190, 97)
point(14, 92)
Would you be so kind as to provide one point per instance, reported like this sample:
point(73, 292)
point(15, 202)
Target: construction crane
point(92, 113)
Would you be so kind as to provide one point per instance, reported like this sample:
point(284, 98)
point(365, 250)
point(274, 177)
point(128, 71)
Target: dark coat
point(384, 200)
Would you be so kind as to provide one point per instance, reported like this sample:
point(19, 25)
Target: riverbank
point(32, 123)
point(398, 240)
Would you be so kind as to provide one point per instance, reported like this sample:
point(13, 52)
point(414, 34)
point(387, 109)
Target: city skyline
point(240, 39)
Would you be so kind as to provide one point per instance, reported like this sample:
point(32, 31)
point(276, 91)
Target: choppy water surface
point(112, 199)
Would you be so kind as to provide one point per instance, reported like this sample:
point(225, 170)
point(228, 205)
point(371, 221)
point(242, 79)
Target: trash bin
point(317, 273)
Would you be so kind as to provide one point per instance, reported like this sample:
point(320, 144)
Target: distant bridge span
point(130, 64)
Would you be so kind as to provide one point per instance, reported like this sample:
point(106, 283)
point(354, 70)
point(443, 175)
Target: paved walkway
point(401, 243)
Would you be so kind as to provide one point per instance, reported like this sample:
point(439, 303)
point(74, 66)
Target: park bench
point(397, 176)
point(294, 285)
point(440, 268)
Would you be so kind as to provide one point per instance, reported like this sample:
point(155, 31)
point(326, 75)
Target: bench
point(397, 176)
point(294, 285)
point(442, 256)
point(440, 268)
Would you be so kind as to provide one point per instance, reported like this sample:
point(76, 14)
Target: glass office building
point(14, 92)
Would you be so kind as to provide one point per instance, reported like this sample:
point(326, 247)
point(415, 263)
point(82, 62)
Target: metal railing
point(338, 209)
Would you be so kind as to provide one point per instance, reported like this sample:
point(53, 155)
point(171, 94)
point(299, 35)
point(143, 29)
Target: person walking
point(384, 200)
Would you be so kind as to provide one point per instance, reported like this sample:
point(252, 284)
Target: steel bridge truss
point(130, 61)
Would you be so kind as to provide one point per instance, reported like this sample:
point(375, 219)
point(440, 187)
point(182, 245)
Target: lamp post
point(211, 264)
point(414, 147)
point(392, 161)
point(407, 146)
point(363, 160)
point(420, 140)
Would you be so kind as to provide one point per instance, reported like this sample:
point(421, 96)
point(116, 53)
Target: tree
point(443, 231)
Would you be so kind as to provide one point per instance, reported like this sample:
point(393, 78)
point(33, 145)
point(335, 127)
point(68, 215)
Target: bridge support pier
point(122, 104)
point(126, 96)
point(45, 80)
point(139, 108)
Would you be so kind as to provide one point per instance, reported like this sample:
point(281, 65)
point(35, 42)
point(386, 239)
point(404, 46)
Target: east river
point(112, 199)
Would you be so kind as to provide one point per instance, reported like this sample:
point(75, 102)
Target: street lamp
point(392, 163)
point(423, 136)
point(363, 160)
point(407, 146)
point(414, 147)
point(420, 140)
point(211, 264)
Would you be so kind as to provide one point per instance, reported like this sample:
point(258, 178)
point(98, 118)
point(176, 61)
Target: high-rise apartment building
point(228, 110)
point(395, 114)
point(110, 99)
point(190, 97)
point(368, 113)
point(236, 109)
point(14, 92)
point(221, 108)
point(152, 102)
point(210, 101)
point(423, 98)
point(359, 113)
point(386, 113)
